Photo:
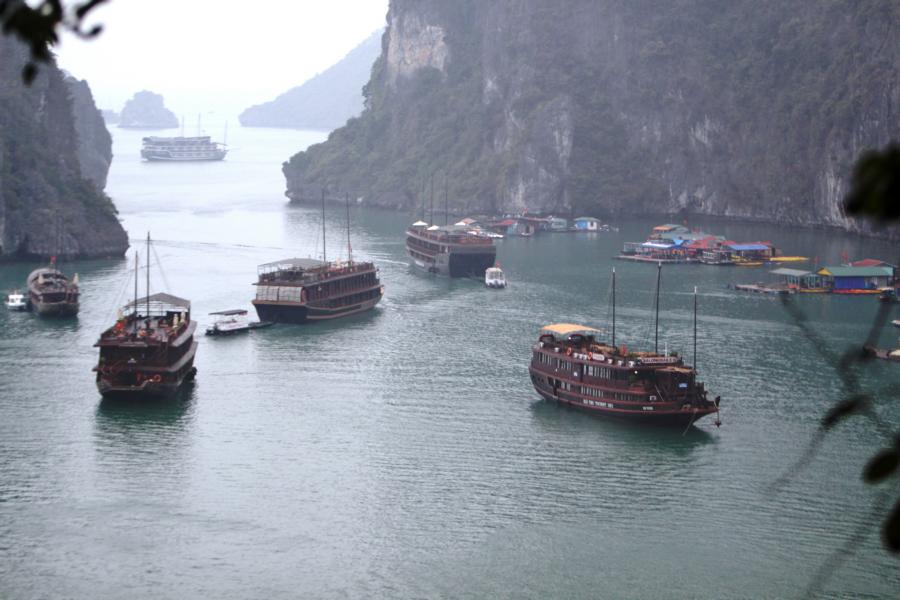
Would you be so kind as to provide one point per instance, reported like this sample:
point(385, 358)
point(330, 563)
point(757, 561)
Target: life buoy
point(590, 356)
point(568, 352)
point(157, 379)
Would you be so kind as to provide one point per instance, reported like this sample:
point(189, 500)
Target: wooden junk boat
point(51, 293)
point(451, 250)
point(302, 290)
point(571, 365)
point(150, 350)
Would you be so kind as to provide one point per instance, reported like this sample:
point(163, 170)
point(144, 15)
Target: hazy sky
point(215, 56)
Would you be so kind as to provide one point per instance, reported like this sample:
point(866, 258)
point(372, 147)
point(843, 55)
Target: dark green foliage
point(882, 465)
point(38, 27)
point(890, 531)
point(875, 191)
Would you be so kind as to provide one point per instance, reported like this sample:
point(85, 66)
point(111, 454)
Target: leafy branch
point(39, 26)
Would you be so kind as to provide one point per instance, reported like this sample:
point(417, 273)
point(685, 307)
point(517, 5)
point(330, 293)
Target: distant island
point(147, 110)
point(327, 100)
point(737, 109)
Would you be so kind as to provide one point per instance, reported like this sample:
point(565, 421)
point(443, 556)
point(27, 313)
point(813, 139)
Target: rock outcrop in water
point(47, 206)
point(94, 140)
point(751, 109)
point(147, 110)
point(327, 100)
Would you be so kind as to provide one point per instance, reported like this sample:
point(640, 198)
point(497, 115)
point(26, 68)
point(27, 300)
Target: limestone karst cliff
point(147, 110)
point(751, 108)
point(94, 140)
point(47, 206)
point(325, 101)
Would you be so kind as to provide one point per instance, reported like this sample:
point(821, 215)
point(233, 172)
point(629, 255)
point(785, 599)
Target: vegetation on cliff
point(753, 109)
point(47, 206)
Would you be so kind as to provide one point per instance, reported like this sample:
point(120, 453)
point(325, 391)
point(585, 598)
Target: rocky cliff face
point(752, 108)
point(147, 110)
point(94, 140)
point(327, 100)
point(47, 207)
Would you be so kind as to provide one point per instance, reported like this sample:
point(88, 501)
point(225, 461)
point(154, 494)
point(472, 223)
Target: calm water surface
point(404, 454)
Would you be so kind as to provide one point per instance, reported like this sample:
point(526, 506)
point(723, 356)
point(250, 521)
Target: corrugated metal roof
point(161, 299)
point(843, 271)
point(791, 272)
point(740, 247)
point(870, 262)
point(296, 263)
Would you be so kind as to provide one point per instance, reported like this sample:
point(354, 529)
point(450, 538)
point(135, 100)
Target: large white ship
point(182, 148)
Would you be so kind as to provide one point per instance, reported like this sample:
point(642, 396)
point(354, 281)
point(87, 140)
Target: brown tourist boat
point(571, 365)
point(451, 250)
point(149, 351)
point(302, 290)
point(51, 293)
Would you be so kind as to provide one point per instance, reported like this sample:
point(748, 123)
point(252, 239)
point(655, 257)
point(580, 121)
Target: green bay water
point(404, 453)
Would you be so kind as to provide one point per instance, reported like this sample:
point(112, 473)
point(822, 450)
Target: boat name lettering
point(658, 360)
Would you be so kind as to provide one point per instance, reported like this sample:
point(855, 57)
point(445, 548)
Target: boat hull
point(668, 418)
point(456, 265)
point(301, 314)
point(55, 309)
point(146, 390)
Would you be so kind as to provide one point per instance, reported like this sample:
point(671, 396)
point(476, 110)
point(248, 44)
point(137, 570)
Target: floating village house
point(587, 224)
point(854, 279)
point(800, 280)
point(558, 224)
point(753, 251)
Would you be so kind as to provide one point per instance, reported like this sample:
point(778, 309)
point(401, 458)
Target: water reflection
point(155, 425)
point(645, 440)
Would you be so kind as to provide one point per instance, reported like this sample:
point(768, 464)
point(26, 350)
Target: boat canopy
point(160, 304)
point(420, 224)
point(564, 329)
point(292, 263)
point(791, 272)
point(747, 247)
point(232, 312)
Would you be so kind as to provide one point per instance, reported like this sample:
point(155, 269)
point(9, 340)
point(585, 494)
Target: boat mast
point(656, 335)
point(614, 308)
point(324, 259)
point(446, 218)
point(431, 218)
point(137, 264)
point(349, 247)
point(148, 274)
point(695, 328)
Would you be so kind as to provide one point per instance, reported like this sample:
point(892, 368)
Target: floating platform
point(762, 288)
point(647, 259)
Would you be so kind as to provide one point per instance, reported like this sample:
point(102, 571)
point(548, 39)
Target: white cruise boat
point(182, 149)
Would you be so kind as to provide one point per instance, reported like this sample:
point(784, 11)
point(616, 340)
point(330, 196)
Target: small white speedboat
point(229, 322)
point(896, 322)
point(16, 301)
point(494, 278)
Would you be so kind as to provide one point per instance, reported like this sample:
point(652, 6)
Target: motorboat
point(229, 322)
point(494, 278)
point(16, 301)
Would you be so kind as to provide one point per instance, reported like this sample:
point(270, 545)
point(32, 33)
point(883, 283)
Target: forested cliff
point(47, 203)
point(748, 108)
